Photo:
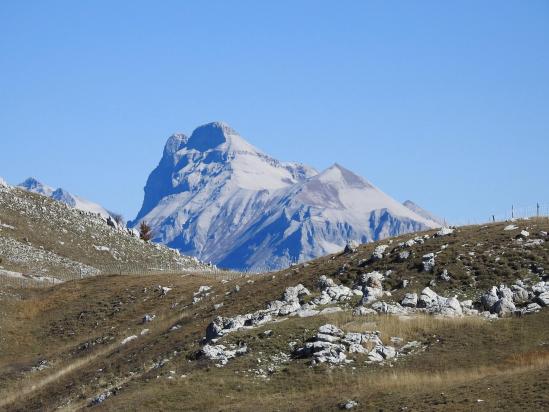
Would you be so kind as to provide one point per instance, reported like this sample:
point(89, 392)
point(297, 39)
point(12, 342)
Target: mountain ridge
point(31, 184)
point(217, 197)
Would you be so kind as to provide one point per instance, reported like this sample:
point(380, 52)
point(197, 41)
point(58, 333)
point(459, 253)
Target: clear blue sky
point(442, 102)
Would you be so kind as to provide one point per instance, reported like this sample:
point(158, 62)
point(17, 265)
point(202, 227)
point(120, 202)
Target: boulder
point(489, 298)
point(386, 308)
point(330, 329)
point(325, 282)
point(504, 307)
point(222, 354)
point(381, 353)
point(445, 231)
point(403, 255)
point(362, 311)
point(531, 308)
point(434, 303)
point(128, 339)
point(148, 318)
point(293, 293)
point(445, 276)
point(410, 300)
point(370, 295)
point(351, 247)
point(520, 295)
point(543, 299)
point(540, 287)
point(332, 293)
point(379, 251)
point(504, 292)
point(449, 307)
point(349, 404)
point(428, 262)
point(534, 243)
point(427, 298)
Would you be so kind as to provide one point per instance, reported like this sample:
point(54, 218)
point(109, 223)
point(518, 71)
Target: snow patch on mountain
point(215, 196)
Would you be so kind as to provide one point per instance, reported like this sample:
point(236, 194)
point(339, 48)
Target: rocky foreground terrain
point(449, 319)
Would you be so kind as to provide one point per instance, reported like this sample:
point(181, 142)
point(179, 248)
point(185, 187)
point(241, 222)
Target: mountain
point(318, 217)
point(61, 195)
point(424, 213)
point(33, 185)
point(217, 197)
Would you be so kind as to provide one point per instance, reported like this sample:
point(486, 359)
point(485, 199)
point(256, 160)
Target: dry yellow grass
point(406, 327)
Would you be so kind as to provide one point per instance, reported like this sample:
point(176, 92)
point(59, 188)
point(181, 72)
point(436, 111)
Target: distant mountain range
point(61, 195)
point(215, 196)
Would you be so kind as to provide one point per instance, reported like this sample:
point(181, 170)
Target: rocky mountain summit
point(215, 196)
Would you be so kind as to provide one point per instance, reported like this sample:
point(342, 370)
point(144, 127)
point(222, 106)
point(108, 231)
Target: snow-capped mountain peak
point(61, 195)
point(219, 136)
point(33, 185)
point(215, 160)
point(217, 197)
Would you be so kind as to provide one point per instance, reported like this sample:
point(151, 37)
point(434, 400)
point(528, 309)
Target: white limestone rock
point(445, 231)
point(428, 262)
point(504, 307)
point(543, 299)
point(409, 300)
point(222, 354)
point(379, 251)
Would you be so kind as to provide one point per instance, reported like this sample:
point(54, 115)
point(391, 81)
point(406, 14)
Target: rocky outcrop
point(331, 292)
point(444, 231)
point(379, 251)
point(287, 305)
point(517, 299)
point(331, 345)
point(410, 300)
point(222, 354)
point(436, 304)
point(372, 289)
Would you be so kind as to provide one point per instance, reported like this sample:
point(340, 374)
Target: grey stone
point(428, 262)
point(504, 307)
point(543, 299)
point(410, 300)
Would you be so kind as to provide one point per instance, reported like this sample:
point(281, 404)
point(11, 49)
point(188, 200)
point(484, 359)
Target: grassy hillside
point(42, 237)
point(63, 347)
